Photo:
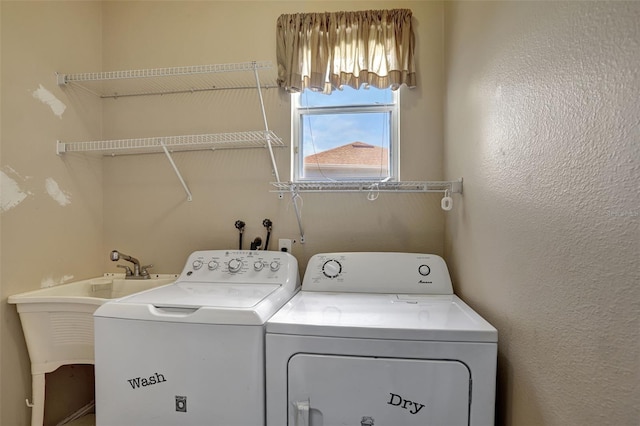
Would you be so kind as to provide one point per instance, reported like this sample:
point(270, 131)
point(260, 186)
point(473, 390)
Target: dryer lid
point(381, 316)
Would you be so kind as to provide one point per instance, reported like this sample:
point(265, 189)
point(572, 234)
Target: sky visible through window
point(326, 131)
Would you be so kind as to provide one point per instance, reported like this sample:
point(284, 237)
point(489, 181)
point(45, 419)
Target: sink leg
point(37, 404)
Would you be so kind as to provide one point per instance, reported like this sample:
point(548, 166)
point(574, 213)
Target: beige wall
point(2, 304)
point(145, 209)
point(136, 203)
point(51, 207)
point(541, 119)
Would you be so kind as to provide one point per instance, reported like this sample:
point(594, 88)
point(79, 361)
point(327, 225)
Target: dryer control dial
point(235, 265)
point(197, 264)
point(212, 265)
point(258, 265)
point(331, 268)
point(424, 270)
point(274, 266)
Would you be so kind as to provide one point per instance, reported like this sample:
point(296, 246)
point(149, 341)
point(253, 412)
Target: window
point(346, 135)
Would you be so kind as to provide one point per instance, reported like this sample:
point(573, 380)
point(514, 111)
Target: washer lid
point(202, 294)
point(381, 316)
point(201, 302)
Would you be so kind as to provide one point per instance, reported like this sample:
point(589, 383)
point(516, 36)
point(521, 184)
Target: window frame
point(298, 113)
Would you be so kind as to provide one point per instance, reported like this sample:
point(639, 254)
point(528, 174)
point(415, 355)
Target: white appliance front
point(171, 373)
point(388, 391)
point(191, 353)
point(376, 357)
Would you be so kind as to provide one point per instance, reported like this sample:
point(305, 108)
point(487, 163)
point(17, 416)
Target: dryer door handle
point(301, 413)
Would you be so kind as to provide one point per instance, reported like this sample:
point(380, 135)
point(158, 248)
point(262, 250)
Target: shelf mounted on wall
point(161, 81)
point(213, 141)
point(367, 186)
point(371, 188)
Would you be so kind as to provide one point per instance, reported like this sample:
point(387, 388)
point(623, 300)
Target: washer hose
point(240, 227)
point(267, 224)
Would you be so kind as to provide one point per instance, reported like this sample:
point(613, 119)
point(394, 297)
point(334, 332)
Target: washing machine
point(191, 353)
point(379, 339)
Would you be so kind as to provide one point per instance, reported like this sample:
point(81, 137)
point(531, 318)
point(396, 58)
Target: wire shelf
point(160, 81)
point(362, 186)
point(214, 141)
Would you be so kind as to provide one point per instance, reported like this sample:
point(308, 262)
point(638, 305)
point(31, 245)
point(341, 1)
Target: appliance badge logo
point(181, 404)
point(398, 401)
point(367, 421)
point(142, 382)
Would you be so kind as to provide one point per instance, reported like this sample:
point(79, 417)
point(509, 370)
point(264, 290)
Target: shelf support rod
point(175, 169)
point(266, 126)
point(294, 199)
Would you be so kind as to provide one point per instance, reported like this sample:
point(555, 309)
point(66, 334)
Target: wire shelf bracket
point(175, 169)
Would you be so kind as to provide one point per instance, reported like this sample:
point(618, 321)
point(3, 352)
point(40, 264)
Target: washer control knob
point(274, 266)
point(235, 265)
point(258, 265)
point(212, 265)
point(331, 268)
point(424, 270)
point(197, 264)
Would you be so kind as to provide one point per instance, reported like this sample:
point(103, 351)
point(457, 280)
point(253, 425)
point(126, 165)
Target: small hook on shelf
point(447, 201)
point(374, 192)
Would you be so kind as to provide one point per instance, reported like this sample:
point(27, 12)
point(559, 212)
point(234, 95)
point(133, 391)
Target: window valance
point(323, 51)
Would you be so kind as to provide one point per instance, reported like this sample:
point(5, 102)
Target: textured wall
point(542, 120)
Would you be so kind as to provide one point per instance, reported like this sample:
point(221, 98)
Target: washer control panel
point(247, 266)
point(377, 272)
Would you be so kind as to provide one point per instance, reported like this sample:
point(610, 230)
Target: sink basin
point(57, 323)
point(94, 291)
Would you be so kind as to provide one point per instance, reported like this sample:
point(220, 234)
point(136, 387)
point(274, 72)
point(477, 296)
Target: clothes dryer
point(379, 339)
point(192, 353)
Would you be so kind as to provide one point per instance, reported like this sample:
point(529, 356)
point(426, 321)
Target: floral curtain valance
point(323, 51)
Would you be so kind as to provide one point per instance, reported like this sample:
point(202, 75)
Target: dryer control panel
point(377, 272)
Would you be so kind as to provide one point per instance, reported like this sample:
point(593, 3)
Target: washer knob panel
point(235, 265)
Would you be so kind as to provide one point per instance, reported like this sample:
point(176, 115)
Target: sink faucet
point(138, 273)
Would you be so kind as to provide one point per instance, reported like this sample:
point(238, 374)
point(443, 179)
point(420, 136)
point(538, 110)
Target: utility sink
point(57, 323)
point(94, 291)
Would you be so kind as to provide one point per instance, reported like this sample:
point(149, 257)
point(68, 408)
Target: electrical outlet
point(285, 245)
